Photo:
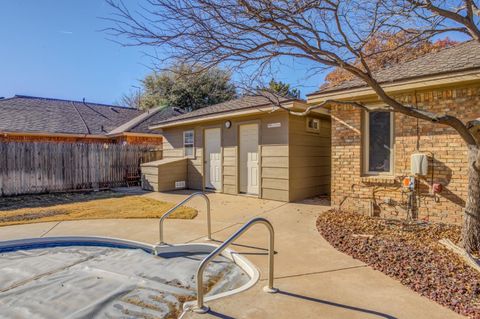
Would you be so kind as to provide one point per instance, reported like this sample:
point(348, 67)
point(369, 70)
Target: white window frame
point(366, 145)
point(310, 129)
point(189, 144)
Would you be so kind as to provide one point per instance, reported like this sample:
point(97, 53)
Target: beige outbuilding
point(245, 146)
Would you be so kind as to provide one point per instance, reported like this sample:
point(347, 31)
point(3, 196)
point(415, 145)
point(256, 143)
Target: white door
point(249, 178)
point(213, 162)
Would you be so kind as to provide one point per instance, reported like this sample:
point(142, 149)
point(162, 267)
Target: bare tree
point(254, 34)
point(460, 15)
point(131, 99)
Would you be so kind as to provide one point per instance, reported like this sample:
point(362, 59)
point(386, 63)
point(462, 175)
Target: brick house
point(35, 119)
point(371, 152)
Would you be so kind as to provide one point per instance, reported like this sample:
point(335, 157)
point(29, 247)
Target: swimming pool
point(98, 277)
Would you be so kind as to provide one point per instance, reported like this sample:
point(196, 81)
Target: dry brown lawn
point(97, 208)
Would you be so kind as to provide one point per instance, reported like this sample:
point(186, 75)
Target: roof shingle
point(141, 123)
point(463, 56)
point(34, 114)
point(244, 102)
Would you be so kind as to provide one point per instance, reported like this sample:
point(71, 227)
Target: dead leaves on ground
point(410, 253)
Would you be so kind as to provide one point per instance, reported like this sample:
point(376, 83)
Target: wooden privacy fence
point(29, 168)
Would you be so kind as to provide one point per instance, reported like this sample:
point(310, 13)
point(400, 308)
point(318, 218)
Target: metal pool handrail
point(209, 224)
point(200, 307)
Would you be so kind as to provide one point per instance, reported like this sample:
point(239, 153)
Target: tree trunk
point(471, 217)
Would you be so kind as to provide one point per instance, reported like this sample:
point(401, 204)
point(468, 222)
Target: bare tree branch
point(255, 34)
point(454, 13)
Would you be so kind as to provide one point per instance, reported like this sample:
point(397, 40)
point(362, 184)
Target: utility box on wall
point(419, 164)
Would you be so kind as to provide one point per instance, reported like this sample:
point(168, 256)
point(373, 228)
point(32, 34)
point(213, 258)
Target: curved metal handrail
point(164, 216)
point(200, 307)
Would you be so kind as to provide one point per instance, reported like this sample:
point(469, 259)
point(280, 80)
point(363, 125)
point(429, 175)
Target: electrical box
point(419, 164)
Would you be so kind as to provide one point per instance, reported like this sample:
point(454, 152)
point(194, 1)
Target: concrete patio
point(315, 280)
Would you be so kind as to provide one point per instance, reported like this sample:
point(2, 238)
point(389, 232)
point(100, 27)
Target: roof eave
point(53, 134)
point(131, 124)
point(438, 80)
point(261, 108)
point(136, 134)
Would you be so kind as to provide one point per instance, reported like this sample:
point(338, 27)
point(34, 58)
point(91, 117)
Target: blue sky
point(55, 48)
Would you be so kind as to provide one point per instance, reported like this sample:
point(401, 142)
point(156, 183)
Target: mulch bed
point(410, 253)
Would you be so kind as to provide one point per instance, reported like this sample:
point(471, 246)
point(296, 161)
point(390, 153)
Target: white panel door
point(213, 161)
point(249, 178)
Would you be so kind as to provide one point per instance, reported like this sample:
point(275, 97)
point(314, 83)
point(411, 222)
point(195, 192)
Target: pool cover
point(105, 282)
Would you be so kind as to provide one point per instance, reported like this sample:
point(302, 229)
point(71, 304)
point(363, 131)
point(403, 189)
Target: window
point(189, 144)
point(378, 142)
point(313, 125)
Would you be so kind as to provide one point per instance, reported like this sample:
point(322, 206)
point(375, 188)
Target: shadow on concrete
point(339, 305)
point(320, 200)
point(264, 250)
point(184, 191)
point(219, 315)
point(318, 272)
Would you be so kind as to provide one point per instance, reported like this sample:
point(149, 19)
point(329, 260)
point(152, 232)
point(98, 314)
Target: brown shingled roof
point(23, 113)
point(31, 114)
point(245, 102)
point(141, 123)
point(464, 56)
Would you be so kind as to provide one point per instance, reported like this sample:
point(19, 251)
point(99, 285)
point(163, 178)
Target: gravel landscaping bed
point(410, 253)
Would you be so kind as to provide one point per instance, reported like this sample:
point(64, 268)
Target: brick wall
point(53, 139)
point(151, 140)
point(134, 140)
point(352, 190)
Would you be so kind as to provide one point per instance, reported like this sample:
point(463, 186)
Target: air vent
point(180, 184)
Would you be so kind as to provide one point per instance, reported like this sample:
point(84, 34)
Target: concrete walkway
point(315, 280)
